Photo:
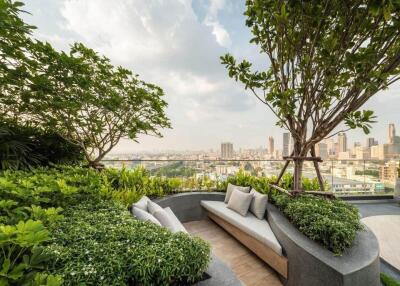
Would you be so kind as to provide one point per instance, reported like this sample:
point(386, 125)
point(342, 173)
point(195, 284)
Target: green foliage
point(176, 169)
point(333, 223)
point(327, 59)
point(23, 147)
point(78, 95)
point(21, 257)
point(389, 281)
point(62, 210)
point(102, 244)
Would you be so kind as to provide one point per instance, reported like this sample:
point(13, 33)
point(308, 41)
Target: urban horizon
point(278, 143)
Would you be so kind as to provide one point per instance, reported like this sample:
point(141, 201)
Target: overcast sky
point(176, 44)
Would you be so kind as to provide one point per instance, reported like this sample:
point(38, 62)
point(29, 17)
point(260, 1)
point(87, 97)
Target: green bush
point(22, 258)
point(388, 281)
point(25, 147)
point(101, 244)
point(63, 210)
point(333, 223)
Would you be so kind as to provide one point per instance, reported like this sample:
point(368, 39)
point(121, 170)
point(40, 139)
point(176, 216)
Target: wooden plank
point(277, 262)
point(296, 158)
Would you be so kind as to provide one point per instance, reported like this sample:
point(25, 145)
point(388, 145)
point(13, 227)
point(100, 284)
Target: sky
point(176, 44)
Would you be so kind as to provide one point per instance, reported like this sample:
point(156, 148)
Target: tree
point(15, 43)
point(327, 58)
point(91, 103)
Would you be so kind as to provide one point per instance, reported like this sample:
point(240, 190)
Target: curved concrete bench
point(309, 264)
point(312, 265)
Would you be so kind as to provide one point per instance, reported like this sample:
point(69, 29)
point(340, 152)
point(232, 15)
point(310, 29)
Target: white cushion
point(178, 226)
point(142, 203)
point(240, 202)
point(152, 207)
point(258, 204)
point(257, 228)
point(231, 187)
point(144, 216)
point(167, 220)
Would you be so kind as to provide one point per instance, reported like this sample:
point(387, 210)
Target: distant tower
point(371, 142)
point(342, 142)
point(321, 150)
point(226, 150)
point(392, 133)
point(271, 148)
point(286, 144)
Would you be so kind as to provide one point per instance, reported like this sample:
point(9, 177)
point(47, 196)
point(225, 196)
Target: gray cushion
point(142, 203)
point(233, 187)
point(152, 207)
point(178, 226)
point(167, 220)
point(144, 216)
point(258, 204)
point(240, 202)
point(257, 228)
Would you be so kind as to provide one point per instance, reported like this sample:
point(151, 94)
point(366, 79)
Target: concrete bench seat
point(254, 233)
point(258, 228)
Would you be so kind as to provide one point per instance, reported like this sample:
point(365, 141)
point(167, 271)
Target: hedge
point(50, 218)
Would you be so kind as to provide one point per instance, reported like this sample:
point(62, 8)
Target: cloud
point(211, 19)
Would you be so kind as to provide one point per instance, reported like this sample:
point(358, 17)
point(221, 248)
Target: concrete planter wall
point(310, 264)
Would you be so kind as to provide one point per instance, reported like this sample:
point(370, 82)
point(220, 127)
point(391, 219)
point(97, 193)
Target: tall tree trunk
point(298, 172)
point(298, 165)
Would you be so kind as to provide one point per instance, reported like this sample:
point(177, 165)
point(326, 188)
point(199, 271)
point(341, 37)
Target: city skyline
point(278, 142)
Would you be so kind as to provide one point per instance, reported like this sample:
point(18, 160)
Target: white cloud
point(211, 19)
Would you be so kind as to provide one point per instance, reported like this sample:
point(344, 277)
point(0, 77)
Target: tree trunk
point(298, 172)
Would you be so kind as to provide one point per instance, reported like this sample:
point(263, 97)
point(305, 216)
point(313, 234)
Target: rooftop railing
point(350, 177)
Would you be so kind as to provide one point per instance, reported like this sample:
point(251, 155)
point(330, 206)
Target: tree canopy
point(326, 60)
point(78, 94)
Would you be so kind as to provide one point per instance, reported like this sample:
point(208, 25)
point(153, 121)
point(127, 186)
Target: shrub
point(388, 281)
point(333, 223)
point(24, 147)
point(22, 258)
point(101, 244)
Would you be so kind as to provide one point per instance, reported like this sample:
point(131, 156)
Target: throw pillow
point(258, 204)
point(152, 207)
point(166, 220)
point(233, 187)
point(142, 203)
point(144, 216)
point(240, 202)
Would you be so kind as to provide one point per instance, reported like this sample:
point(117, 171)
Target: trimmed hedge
point(63, 209)
point(333, 223)
point(102, 244)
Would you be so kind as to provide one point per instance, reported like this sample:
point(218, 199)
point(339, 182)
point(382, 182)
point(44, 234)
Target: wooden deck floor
point(387, 231)
point(247, 266)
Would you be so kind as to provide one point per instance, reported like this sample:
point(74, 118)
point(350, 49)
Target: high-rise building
point(342, 140)
point(226, 150)
point(321, 150)
point(371, 142)
point(271, 147)
point(286, 144)
point(392, 133)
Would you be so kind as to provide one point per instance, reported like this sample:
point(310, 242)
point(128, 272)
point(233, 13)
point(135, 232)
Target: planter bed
point(308, 262)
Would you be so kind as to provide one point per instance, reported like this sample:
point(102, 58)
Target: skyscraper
point(321, 150)
point(371, 142)
point(286, 144)
point(271, 148)
point(226, 150)
point(392, 133)
point(342, 140)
